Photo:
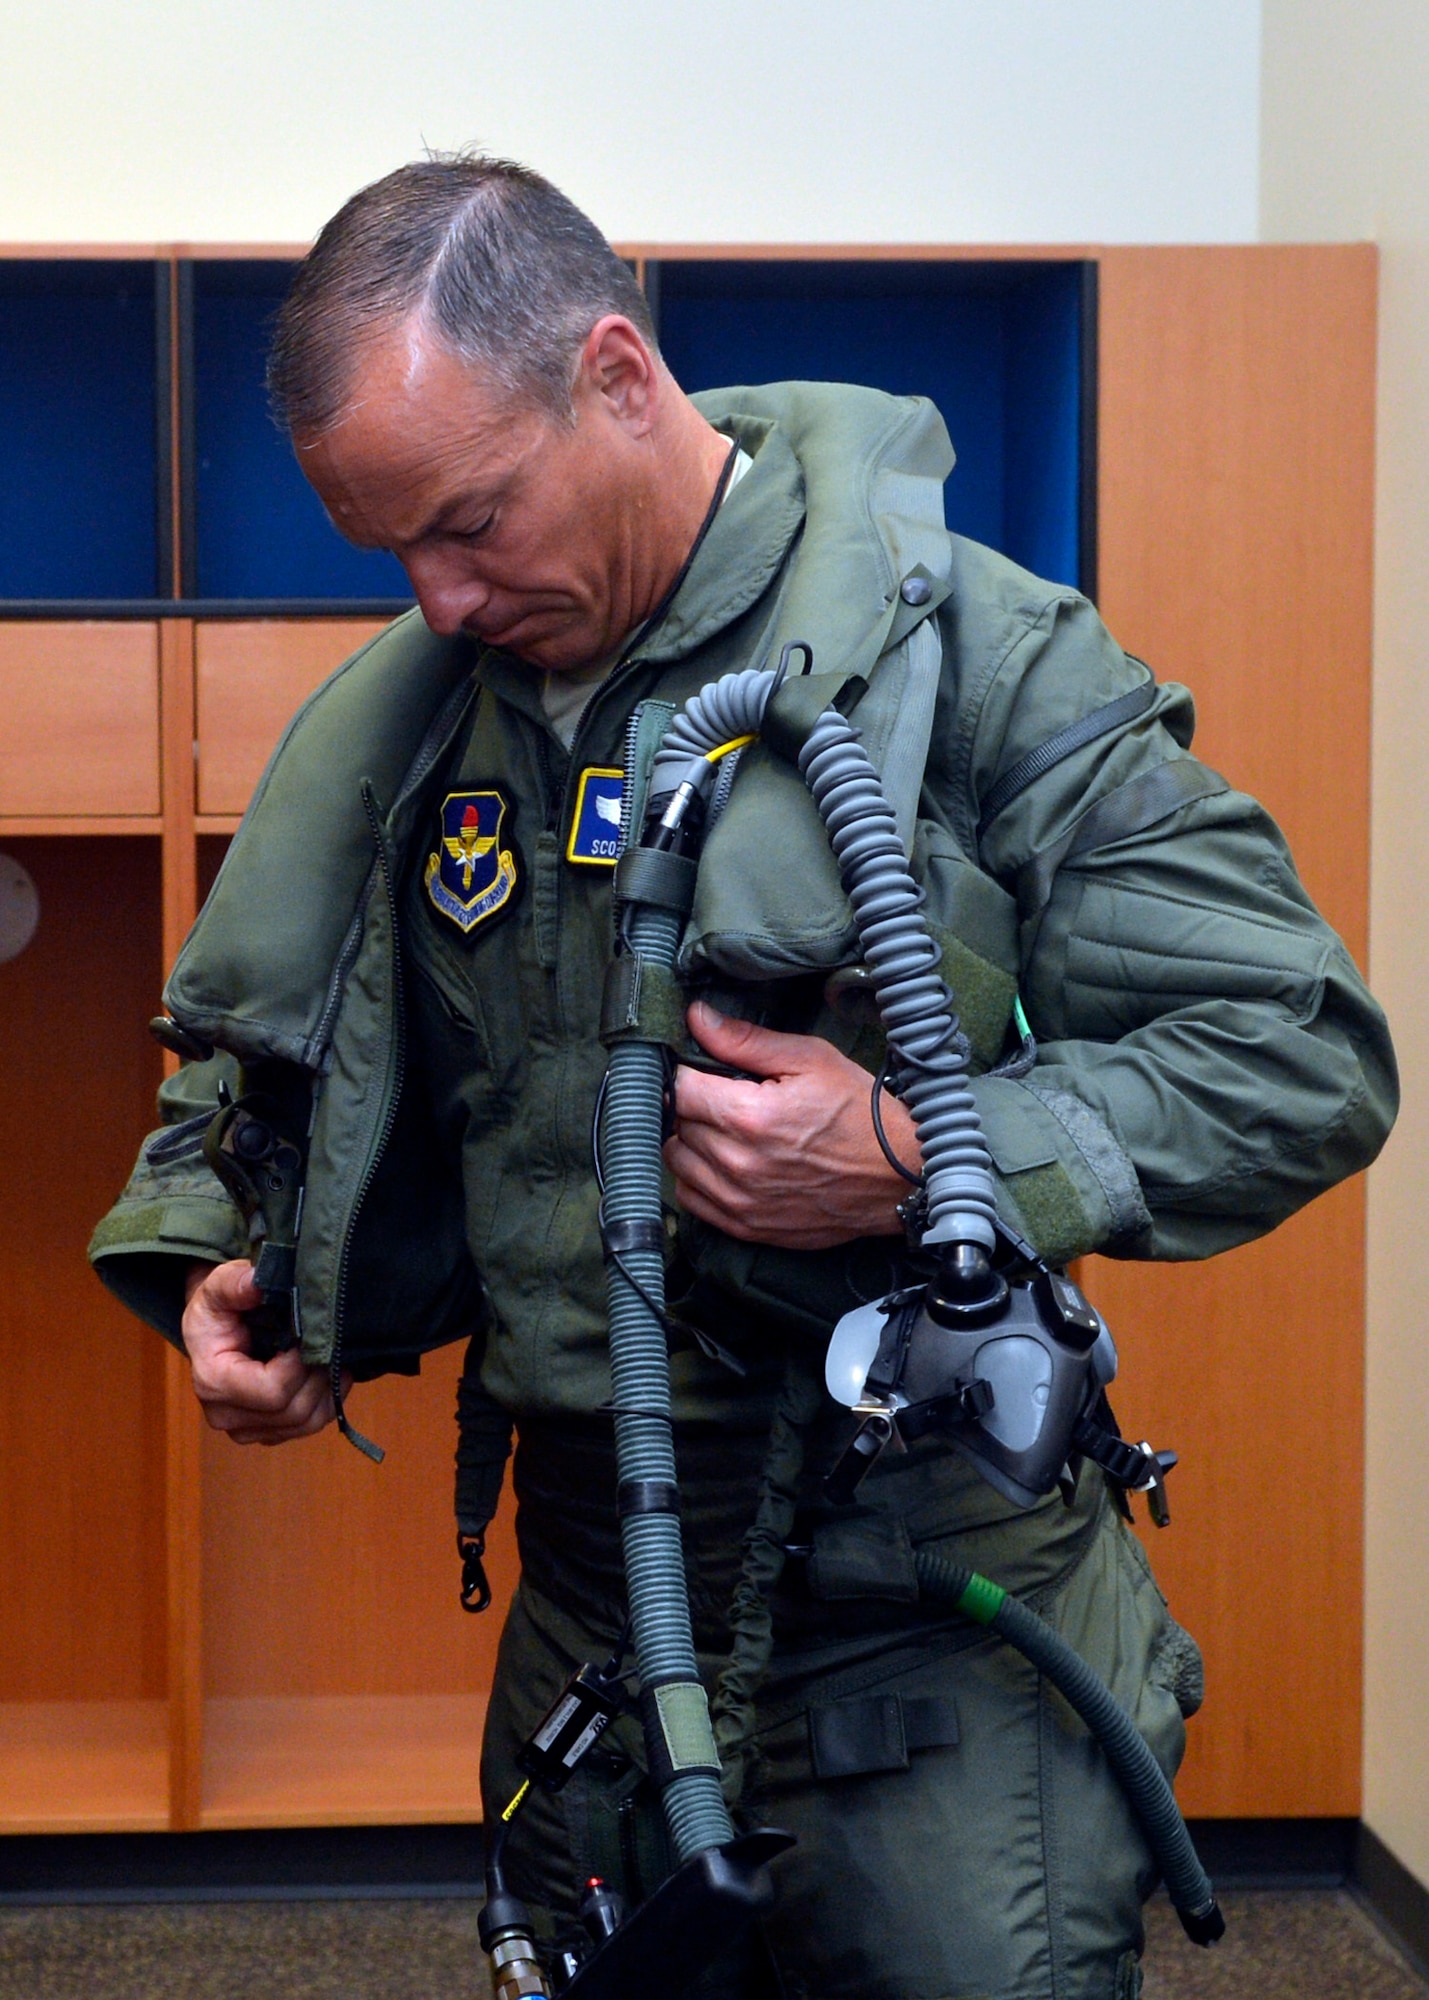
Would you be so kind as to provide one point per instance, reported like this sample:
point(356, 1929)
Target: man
point(471, 380)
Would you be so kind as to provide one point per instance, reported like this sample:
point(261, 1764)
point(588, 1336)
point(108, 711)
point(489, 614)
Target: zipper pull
point(346, 1426)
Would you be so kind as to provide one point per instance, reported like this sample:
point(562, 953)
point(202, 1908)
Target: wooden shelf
point(342, 1760)
point(84, 1766)
point(17, 826)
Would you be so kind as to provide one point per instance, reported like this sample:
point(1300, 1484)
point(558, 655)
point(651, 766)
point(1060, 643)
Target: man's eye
point(475, 534)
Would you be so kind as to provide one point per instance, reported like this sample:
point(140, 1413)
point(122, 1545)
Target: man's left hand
point(791, 1160)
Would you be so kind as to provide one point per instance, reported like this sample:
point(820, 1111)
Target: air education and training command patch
point(595, 823)
point(471, 876)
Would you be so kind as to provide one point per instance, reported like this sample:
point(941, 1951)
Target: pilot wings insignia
point(470, 845)
point(470, 875)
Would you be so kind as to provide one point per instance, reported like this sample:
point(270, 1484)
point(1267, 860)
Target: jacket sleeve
point(1209, 1058)
point(174, 1209)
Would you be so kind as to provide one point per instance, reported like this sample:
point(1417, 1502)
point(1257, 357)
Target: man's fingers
point(251, 1401)
point(305, 1412)
point(714, 1102)
point(228, 1288)
point(305, 1419)
point(229, 1375)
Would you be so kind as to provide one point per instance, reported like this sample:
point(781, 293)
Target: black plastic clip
point(475, 1585)
point(968, 1403)
point(867, 1443)
point(1154, 1485)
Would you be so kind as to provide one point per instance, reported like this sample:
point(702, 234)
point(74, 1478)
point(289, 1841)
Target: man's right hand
point(255, 1402)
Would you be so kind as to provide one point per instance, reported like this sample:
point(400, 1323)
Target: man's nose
point(447, 593)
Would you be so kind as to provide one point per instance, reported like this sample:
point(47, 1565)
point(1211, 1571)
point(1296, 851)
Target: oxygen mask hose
point(928, 1055)
point(685, 1763)
point(1146, 1786)
point(654, 887)
point(947, 1335)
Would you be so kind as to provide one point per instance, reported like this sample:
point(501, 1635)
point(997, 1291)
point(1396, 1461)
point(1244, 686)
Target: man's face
point(509, 524)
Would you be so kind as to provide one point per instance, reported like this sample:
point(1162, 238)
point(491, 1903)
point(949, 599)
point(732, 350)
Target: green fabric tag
point(983, 994)
point(644, 1002)
point(1053, 1217)
point(685, 1725)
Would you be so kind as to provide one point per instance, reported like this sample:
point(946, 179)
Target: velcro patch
point(595, 824)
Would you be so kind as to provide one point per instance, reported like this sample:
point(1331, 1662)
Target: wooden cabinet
point(197, 1636)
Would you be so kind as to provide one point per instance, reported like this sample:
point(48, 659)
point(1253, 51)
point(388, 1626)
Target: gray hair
point(508, 273)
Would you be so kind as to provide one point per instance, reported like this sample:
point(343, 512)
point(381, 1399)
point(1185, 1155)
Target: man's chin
point(550, 652)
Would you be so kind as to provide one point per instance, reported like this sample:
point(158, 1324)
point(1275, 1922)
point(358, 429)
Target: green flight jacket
point(1209, 1058)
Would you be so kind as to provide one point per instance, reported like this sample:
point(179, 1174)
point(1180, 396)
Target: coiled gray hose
point(929, 1056)
point(913, 1001)
point(930, 1061)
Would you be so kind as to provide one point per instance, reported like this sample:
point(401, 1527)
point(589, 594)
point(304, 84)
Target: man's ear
point(617, 369)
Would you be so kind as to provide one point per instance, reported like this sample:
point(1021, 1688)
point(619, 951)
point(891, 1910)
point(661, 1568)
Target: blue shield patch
point(471, 875)
point(595, 824)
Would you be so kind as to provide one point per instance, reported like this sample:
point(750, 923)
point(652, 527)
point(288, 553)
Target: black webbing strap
point(653, 875)
point(483, 1447)
point(1075, 736)
point(1126, 1463)
point(1131, 808)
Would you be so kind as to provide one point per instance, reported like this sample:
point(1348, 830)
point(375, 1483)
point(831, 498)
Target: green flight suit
point(1209, 1060)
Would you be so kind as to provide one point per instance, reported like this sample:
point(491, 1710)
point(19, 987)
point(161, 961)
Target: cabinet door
point(1236, 432)
point(79, 720)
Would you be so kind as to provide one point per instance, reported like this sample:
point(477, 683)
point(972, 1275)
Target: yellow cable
point(734, 743)
point(517, 1800)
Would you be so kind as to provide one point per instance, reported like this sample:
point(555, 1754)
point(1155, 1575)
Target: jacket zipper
point(374, 1160)
point(431, 747)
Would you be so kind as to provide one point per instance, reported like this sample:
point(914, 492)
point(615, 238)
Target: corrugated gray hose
point(929, 1057)
point(682, 1744)
point(931, 1068)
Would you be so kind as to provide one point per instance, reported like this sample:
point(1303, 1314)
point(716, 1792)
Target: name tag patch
point(471, 876)
point(595, 825)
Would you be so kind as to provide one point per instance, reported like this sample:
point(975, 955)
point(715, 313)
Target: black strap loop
point(618, 1239)
point(657, 876)
point(647, 1496)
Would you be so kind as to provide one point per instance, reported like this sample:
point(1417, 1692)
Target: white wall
point(749, 120)
point(1346, 154)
